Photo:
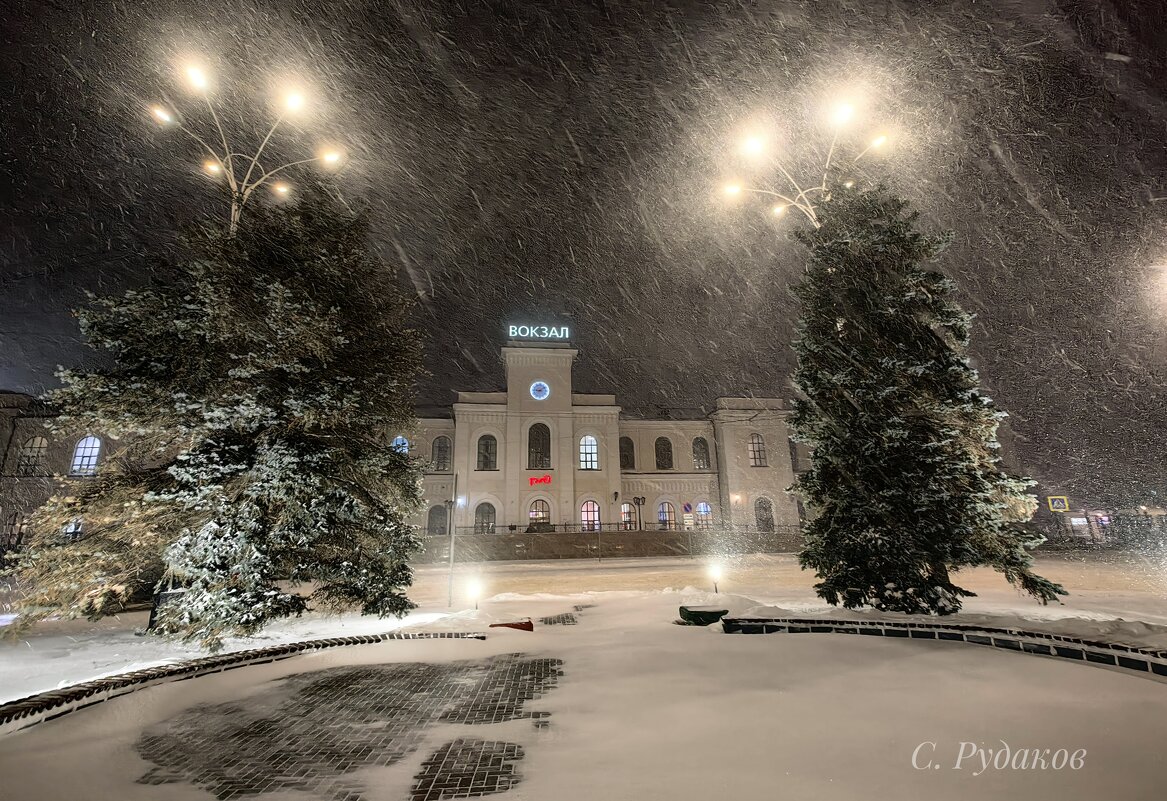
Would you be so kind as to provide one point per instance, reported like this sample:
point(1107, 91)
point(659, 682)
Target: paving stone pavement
point(308, 732)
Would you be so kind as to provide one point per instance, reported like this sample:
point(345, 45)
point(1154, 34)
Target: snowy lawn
point(1123, 600)
point(649, 710)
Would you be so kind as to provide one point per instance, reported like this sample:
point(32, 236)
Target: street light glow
point(779, 210)
point(879, 141)
point(161, 114)
point(294, 101)
point(212, 167)
point(753, 146)
point(848, 184)
point(330, 156)
point(843, 113)
point(197, 78)
point(281, 188)
point(733, 189)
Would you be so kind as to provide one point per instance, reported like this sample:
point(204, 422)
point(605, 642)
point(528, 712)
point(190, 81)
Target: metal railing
point(566, 528)
point(575, 541)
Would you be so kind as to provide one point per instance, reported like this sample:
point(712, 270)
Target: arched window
point(764, 515)
point(700, 454)
point(589, 516)
point(627, 454)
point(539, 447)
point(540, 512)
point(704, 515)
point(664, 453)
point(85, 457)
point(31, 460)
point(484, 518)
point(487, 452)
point(440, 455)
point(400, 444)
point(757, 451)
point(435, 524)
point(666, 515)
point(589, 453)
point(72, 529)
point(627, 516)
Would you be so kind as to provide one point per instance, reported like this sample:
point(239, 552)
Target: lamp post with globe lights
point(796, 196)
point(243, 173)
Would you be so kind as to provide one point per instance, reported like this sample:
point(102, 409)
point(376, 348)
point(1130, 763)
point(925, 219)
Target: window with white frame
point(664, 453)
point(484, 516)
point(704, 517)
point(764, 515)
point(540, 511)
point(435, 524)
point(31, 460)
point(589, 453)
point(757, 451)
point(85, 457)
point(539, 447)
point(627, 516)
point(700, 454)
point(666, 515)
point(440, 455)
point(627, 454)
point(487, 452)
point(589, 516)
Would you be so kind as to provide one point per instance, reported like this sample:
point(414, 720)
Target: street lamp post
point(226, 163)
point(639, 501)
point(797, 197)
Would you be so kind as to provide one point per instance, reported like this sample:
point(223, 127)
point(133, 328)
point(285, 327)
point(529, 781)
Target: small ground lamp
point(474, 590)
point(715, 575)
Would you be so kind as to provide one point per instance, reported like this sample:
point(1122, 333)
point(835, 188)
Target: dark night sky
point(555, 158)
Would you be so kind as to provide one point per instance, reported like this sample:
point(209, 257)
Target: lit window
point(487, 452)
point(589, 516)
point(667, 516)
point(764, 515)
point(664, 453)
point(435, 524)
point(589, 453)
point(540, 511)
point(484, 518)
point(400, 444)
point(757, 451)
point(85, 457)
point(440, 455)
point(627, 516)
point(700, 454)
point(539, 447)
point(704, 515)
point(72, 529)
point(627, 454)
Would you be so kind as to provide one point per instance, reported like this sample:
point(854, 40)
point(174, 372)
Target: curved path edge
point(33, 709)
point(1151, 662)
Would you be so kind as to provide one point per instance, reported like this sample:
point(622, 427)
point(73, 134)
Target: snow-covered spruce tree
point(252, 395)
point(905, 482)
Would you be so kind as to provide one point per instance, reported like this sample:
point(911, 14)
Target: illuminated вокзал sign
point(537, 332)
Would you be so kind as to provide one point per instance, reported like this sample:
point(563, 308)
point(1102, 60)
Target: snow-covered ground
point(1124, 600)
point(649, 710)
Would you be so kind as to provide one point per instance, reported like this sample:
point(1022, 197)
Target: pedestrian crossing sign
point(1058, 503)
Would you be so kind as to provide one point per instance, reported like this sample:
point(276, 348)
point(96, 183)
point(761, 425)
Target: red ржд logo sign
point(543, 479)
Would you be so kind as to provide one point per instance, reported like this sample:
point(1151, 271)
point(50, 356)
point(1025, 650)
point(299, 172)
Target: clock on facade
point(540, 390)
